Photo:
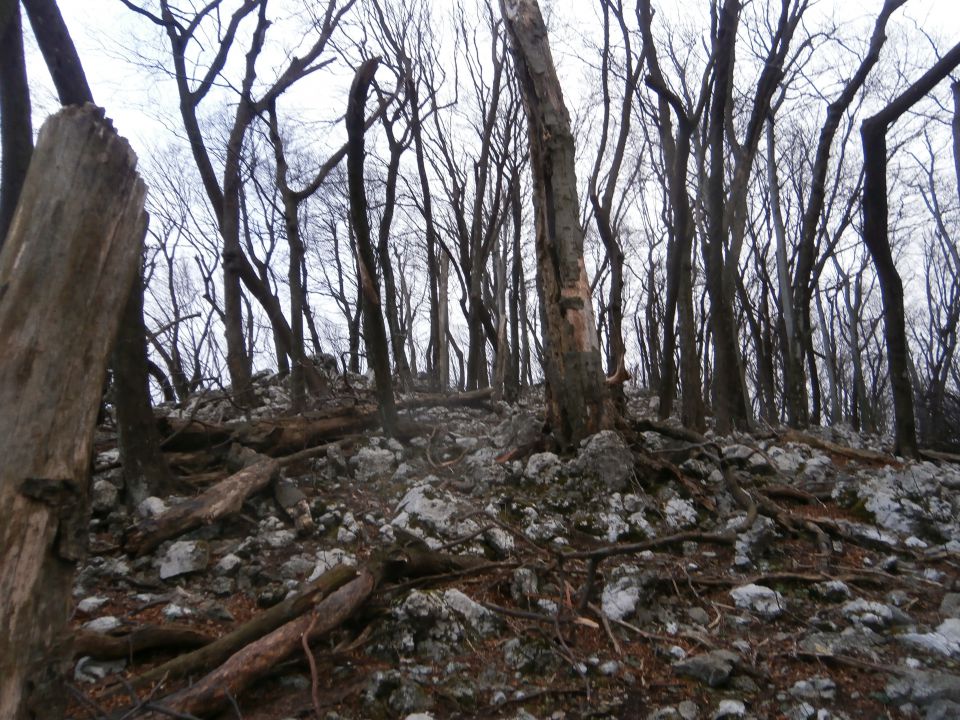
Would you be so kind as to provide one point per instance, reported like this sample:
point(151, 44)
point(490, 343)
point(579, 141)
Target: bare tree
point(578, 403)
point(374, 333)
point(873, 133)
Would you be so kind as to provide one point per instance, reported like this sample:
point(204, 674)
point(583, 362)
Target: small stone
point(680, 513)
point(620, 596)
point(698, 615)
point(277, 539)
point(832, 590)
point(713, 668)
point(764, 601)
point(816, 688)
point(950, 605)
point(91, 604)
point(874, 614)
point(103, 625)
point(688, 710)
point(184, 556)
point(151, 507)
point(609, 668)
point(104, 496)
point(89, 670)
point(176, 612)
point(543, 467)
point(372, 463)
point(945, 640)
point(483, 621)
point(227, 565)
point(730, 709)
point(328, 559)
point(802, 711)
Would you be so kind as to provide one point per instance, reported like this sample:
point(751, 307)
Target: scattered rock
point(730, 709)
point(184, 556)
point(151, 507)
point(622, 593)
point(679, 513)
point(713, 668)
point(89, 670)
point(607, 458)
point(945, 640)
point(763, 601)
point(816, 688)
point(103, 496)
point(91, 604)
point(371, 464)
point(950, 605)
point(103, 625)
point(543, 467)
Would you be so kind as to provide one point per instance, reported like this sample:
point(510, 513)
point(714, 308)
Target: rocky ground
point(653, 574)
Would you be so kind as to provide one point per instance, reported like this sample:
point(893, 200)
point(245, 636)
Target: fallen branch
point(148, 637)
point(218, 651)
point(869, 456)
point(224, 498)
point(211, 693)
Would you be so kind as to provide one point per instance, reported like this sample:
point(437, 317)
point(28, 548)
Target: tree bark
point(795, 391)
point(578, 404)
point(873, 134)
point(59, 52)
point(222, 499)
point(374, 332)
point(65, 272)
point(145, 471)
point(729, 406)
point(16, 130)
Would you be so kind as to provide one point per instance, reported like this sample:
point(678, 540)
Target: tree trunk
point(145, 471)
point(795, 391)
point(578, 404)
point(65, 272)
point(58, 51)
point(16, 131)
point(374, 332)
point(873, 133)
point(730, 406)
point(514, 376)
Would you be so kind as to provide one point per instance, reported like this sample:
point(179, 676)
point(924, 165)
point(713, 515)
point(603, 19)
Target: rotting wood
point(869, 456)
point(149, 637)
point(212, 655)
point(65, 269)
point(295, 505)
point(222, 499)
point(212, 692)
point(284, 436)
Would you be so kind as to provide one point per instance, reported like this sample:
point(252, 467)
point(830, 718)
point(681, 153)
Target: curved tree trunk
point(374, 332)
point(873, 133)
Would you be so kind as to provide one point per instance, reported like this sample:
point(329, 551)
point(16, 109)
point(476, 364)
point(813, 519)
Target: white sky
point(108, 36)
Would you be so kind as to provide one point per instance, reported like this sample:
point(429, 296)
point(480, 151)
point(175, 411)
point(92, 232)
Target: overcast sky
point(108, 38)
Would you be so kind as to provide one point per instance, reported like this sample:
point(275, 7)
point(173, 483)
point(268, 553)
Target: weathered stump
point(65, 271)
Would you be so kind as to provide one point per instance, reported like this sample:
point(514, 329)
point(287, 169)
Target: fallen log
point(222, 499)
point(212, 693)
point(869, 456)
point(218, 651)
point(939, 456)
point(148, 637)
point(283, 436)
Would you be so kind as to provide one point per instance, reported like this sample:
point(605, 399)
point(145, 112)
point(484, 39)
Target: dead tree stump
point(65, 271)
